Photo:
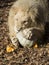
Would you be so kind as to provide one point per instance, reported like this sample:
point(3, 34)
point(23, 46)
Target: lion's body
point(26, 14)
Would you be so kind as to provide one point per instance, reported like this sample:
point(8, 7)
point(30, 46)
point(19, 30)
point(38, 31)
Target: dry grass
point(21, 56)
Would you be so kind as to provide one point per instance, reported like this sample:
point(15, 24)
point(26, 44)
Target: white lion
point(26, 21)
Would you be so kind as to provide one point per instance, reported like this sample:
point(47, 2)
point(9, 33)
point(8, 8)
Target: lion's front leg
point(14, 39)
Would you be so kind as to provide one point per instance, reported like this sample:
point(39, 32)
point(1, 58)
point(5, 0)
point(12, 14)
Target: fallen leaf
point(35, 46)
point(10, 48)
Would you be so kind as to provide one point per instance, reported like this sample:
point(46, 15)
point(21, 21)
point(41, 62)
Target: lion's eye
point(24, 21)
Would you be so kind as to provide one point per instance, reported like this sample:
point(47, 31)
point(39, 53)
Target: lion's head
point(30, 23)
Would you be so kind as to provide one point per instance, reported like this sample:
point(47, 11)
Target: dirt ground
point(21, 56)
